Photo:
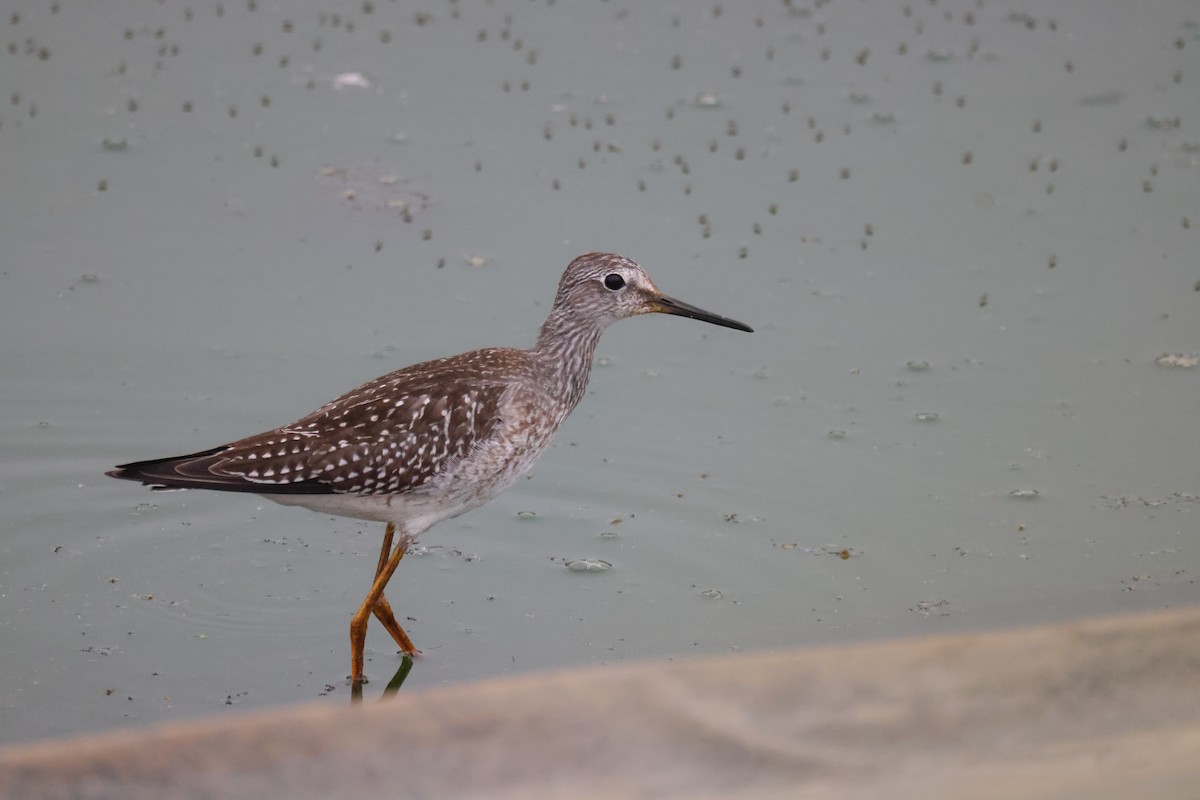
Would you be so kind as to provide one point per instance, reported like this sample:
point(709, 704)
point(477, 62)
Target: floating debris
point(1163, 123)
point(588, 565)
point(936, 608)
point(841, 551)
point(1025, 494)
point(1178, 360)
point(354, 80)
point(368, 187)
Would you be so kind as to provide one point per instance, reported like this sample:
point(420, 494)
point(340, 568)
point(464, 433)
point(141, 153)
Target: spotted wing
point(390, 435)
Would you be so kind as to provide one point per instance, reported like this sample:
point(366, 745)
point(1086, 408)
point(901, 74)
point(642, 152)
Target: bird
point(428, 442)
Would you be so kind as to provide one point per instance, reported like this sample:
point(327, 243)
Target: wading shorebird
point(431, 441)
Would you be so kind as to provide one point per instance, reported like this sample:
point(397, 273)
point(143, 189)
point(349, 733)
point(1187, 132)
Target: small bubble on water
point(1024, 494)
point(526, 514)
point(927, 416)
point(588, 565)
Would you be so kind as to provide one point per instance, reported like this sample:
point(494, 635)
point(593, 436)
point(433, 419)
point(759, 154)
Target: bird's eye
point(614, 281)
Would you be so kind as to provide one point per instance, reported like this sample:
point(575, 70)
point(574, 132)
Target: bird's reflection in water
point(393, 686)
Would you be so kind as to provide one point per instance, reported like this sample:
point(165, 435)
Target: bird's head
point(605, 287)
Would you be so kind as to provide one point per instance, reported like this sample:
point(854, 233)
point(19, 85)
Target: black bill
point(669, 305)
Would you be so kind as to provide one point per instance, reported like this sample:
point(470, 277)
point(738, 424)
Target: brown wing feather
point(389, 435)
point(392, 445)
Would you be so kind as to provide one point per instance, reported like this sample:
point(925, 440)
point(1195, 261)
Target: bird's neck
point(566, 346)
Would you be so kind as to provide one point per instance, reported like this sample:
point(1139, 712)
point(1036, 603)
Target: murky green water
point(216, 217)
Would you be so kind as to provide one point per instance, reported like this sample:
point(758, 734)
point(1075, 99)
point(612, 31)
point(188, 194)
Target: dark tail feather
point(194, 471)
point(177, 472)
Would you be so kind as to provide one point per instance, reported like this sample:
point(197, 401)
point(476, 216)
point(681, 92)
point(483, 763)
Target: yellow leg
point(358, 623)
point(383, 610)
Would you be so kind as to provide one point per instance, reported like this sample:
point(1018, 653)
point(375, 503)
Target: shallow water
point(206, 233)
